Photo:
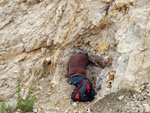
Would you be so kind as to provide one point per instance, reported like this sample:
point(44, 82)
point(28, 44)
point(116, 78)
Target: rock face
point(38, 37)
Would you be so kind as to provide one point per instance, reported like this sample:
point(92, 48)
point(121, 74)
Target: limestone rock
point(39, 36)
point(147, 108)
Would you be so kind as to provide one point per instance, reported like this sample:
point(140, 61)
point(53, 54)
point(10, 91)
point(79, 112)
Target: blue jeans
point(75, 79)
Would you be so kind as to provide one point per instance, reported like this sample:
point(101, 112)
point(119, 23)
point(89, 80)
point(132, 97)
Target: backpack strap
point(77, 96)
point(88, 89)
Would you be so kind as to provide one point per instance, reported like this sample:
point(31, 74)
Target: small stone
point(48, 59)
point(88, 110)
point(66, 111)
point(35, 110)
point(39, 109)
point(15, 71)
point(121, 97)
point(18, 111)
point(111, 77)
point(75, 111)
point(74, 104)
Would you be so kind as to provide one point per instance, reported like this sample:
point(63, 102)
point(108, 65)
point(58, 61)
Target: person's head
point(80, 51)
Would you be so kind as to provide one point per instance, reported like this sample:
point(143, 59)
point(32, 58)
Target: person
point(77, 64)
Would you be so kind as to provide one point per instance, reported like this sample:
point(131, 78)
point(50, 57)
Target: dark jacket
point(77, 65)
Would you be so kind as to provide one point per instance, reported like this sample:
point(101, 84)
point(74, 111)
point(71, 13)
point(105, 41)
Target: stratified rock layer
point(38, 37)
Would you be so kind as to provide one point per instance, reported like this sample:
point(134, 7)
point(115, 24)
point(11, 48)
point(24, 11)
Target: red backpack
point(83, 92)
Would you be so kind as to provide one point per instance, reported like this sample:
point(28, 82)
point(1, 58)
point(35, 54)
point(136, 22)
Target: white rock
point(147, 107)
point(35, 110)
point(121, 97)
point(74, 104)
point(54, 30)
point(48, 59)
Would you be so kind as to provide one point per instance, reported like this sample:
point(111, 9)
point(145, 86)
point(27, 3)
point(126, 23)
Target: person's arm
point(95, 61)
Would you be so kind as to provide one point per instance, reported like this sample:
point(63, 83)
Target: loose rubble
point(125, 101)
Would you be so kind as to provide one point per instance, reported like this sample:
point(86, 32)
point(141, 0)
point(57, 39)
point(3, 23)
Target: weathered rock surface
point(38, 37)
